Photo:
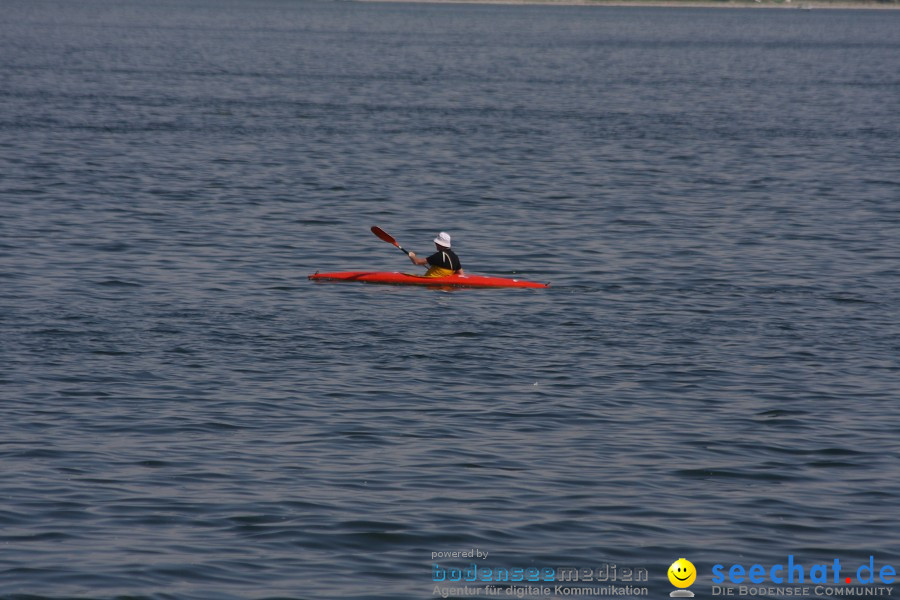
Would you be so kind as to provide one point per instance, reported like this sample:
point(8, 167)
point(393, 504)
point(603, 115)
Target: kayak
point(395, 278)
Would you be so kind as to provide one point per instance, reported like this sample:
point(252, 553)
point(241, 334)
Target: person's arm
point(416, 260)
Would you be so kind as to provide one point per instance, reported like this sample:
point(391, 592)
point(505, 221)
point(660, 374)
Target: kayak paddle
point(384, 235)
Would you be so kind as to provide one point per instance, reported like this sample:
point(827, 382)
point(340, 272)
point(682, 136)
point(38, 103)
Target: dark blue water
point(714, 374)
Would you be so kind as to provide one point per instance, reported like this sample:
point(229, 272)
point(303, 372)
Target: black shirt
point(445, 258)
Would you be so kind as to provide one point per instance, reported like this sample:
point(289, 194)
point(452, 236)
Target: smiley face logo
point(682, 573)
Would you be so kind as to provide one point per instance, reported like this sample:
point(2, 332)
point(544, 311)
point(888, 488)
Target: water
point(713, 374)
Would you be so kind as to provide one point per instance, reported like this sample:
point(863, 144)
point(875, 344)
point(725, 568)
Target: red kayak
point(474, 281)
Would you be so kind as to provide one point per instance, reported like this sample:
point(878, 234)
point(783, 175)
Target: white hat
point(443, 239)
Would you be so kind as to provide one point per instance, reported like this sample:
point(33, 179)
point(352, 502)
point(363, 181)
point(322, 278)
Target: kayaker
point(442, 263)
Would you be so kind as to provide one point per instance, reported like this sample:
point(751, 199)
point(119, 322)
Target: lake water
point(713, 194)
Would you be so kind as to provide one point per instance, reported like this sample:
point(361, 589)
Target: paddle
point(384, 235)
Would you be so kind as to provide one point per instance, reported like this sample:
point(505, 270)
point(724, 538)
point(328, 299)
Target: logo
point(682, 574)
point(794, 578)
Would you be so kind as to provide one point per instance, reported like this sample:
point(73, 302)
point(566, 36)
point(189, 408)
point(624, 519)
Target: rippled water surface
point(713, 195)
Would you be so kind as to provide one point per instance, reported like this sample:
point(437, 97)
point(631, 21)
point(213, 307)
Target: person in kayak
point(442, 263)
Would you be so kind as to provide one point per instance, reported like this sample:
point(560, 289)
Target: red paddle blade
point(384, 235)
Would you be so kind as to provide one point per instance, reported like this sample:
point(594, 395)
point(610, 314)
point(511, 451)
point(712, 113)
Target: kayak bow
point(395, 278)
